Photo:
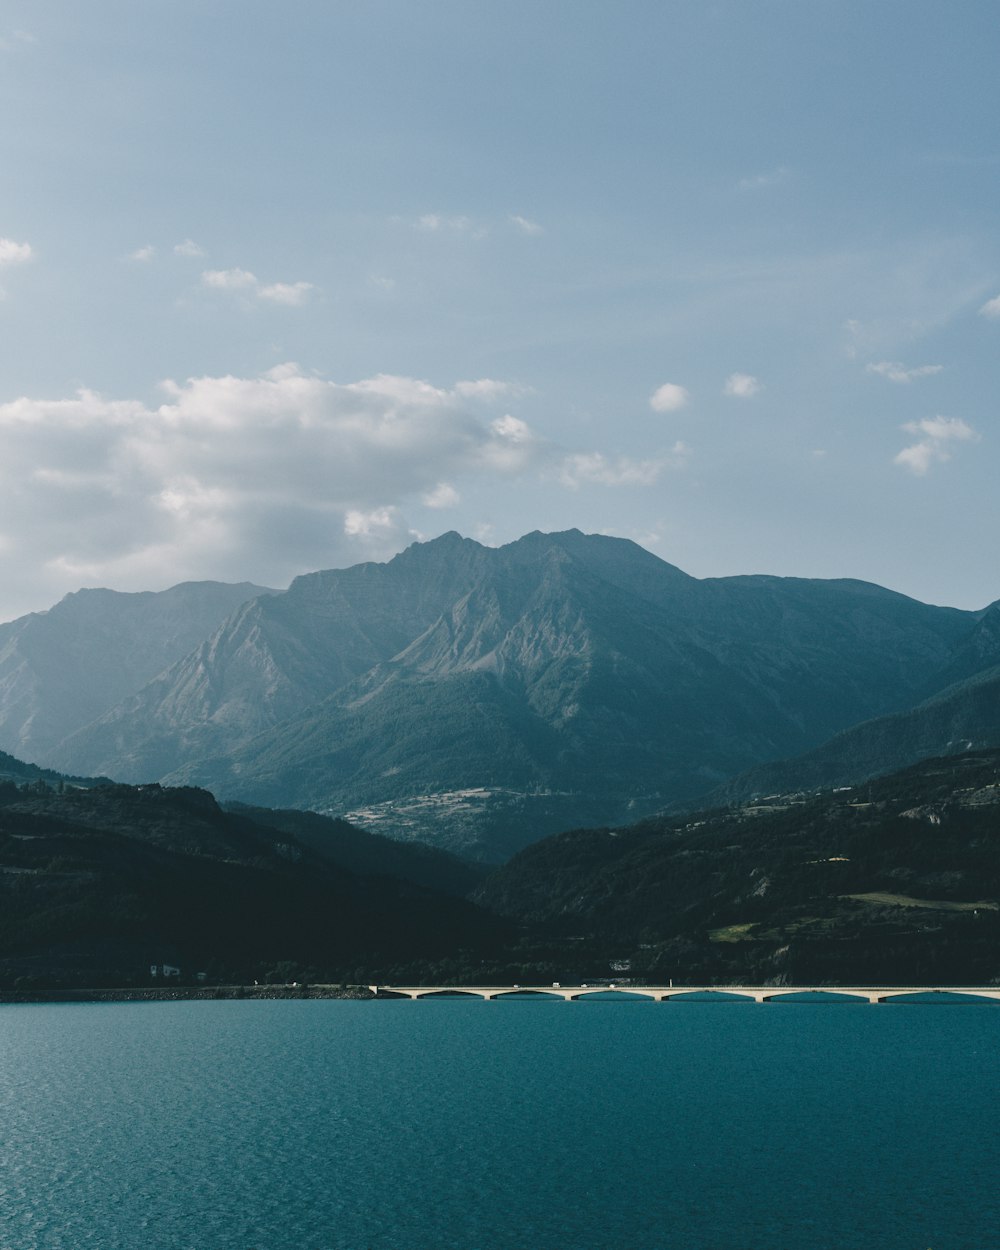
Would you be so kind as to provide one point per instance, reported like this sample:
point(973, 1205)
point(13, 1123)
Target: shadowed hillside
point(97, 885)
point(893, 882)
point(896, 882)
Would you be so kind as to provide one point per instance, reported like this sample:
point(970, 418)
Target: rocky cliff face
point(61, 669)
point(273, 657)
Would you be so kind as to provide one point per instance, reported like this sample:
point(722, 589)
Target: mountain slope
point(61, 669)
point(97, 885)
point(896, 882)
point(963, 717)
point(370, 854)
point(268, 660)
point(577, 679)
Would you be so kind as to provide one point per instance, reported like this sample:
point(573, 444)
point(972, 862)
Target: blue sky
point(286, 286)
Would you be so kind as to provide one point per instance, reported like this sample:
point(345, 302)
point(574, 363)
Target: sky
point(289, 286)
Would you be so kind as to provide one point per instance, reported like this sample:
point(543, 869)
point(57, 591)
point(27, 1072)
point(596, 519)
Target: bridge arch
point(608, 993)
point(944, 996)
point(710, 995)
point(525, 995)
point(816, 996)
point(448, 992)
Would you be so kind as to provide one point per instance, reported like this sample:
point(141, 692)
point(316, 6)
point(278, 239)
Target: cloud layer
point(253, 477)
point(243, 281)
point(582, 468)
point(935, 435)
point(895, 372)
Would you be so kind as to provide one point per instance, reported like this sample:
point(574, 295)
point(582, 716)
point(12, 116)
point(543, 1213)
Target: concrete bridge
point(678, 993)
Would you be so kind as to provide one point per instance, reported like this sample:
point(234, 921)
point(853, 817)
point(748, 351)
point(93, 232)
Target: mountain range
point(481, 698)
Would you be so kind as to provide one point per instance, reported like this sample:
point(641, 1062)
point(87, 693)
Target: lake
point(516, 1125)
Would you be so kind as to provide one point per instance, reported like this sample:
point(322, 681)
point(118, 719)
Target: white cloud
point(293, 294)
point(189, 248)
point(444, 495)
point(668, 398)
point(896, 372)
point(488, 388)
point(513, 446)
point(12, 253)
point(382, 282)
point(934, 435)
point(512, 428)
point(288, 369)
point(378, 522)
point(918, 458)
point(259, 477)
point(991, 308)
point(229, 279)
point(143, 254)
point(741, 386)
point(584, 467)
point(943, 429)
point(525, 224)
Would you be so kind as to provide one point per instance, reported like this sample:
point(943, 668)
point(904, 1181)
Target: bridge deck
point(668, 993)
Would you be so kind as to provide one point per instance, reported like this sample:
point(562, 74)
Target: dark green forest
point(896, 881)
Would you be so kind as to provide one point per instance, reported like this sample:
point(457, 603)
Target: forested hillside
point(894, 882)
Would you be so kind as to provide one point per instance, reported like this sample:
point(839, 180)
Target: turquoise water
point(499, 1126)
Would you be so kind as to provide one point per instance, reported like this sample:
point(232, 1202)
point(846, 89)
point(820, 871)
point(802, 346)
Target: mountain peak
point(451, 540)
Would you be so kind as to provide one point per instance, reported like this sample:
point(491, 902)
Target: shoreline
point(364, 993)
point(181, 993)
